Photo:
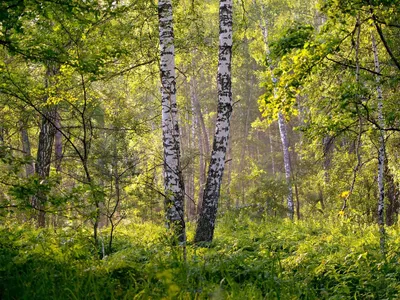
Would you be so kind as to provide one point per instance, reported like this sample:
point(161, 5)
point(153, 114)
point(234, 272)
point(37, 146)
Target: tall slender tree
point(173, 182)
point(206, 222)
point(282, 126)
point(381, 152)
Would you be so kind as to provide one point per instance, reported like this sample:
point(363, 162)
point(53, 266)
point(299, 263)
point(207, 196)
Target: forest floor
point(249, 259)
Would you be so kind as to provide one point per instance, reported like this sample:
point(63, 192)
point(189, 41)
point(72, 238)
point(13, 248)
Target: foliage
point(271, 258)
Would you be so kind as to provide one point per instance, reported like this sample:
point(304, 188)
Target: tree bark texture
point(173, 182)
point(206, 222)
point(43, 161)
point(45, 148)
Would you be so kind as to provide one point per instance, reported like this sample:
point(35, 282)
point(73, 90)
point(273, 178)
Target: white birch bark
point(381, 152)
point(206, 222)
point(173, 183)
point(282, 129)
point(286, 162)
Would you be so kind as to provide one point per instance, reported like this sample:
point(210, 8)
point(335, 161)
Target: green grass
point(274, 259)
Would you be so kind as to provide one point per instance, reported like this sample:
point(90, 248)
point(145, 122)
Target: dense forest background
point(309, 199)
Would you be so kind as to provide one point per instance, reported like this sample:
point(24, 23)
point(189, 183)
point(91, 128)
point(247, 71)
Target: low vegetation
point(250, 258)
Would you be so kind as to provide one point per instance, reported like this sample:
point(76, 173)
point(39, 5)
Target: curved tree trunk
point(206, 222)
point(173, 183)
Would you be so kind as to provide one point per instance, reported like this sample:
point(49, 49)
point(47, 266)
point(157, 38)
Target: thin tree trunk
point(189, 181)
point(202, 172)
point(282, 127)
point(357, 145)
point(229, 179)
point(271, 149)
point(286, 161)
point(58, 144)
point(204, 147)
point(199, 114)
point(381, 152)
point(173, 182)
point(26, 148)
point(206, 222)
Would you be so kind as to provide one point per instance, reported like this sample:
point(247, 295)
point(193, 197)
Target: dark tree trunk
point(44, 152)
point(43, 161)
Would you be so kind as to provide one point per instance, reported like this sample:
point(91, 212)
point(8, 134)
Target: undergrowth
point(249, 259)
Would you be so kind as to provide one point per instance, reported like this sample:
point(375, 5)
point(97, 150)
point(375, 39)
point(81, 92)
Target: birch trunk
point(286, 161)
point(282, 131)
point(206, 222)
point(381, 152)
point(173, 183)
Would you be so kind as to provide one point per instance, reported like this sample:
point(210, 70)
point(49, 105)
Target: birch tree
point(208, 214)
point(381, 151)
point(286, 162)
point(282, 127)
point(173, 183)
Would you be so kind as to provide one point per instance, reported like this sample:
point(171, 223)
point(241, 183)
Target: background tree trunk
point(381, 152)
point(58, 144)
point(26, 148)
point(286, 161)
